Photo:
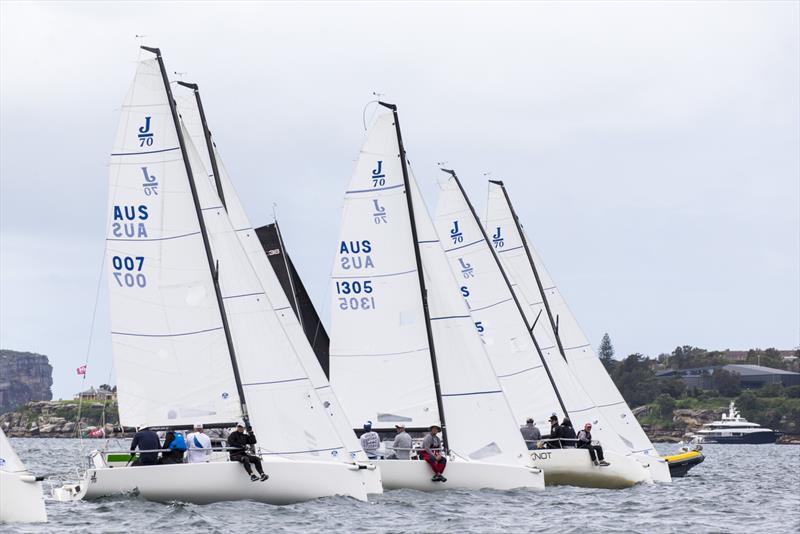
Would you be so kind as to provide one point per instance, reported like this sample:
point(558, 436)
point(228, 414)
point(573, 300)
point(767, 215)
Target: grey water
point(739, 488)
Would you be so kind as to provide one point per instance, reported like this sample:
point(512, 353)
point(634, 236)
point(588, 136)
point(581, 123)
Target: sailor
point(177, 447)
point(566, 433)
point(530, 433)
point(240, 443)
point(370, 441)
point(432, 453)
point(402, 443)
point(199, 445)
point(585, 442)
point(555, 433)
point(146, 440)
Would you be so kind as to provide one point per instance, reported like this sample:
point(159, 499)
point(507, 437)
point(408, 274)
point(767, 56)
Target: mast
point(553, 323)
point(424, 292)
point(528, 327)
point(288, 271)
point(209, 144)
point(212, 266)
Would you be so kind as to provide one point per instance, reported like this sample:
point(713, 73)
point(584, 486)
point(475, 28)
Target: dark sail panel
point(312, 326)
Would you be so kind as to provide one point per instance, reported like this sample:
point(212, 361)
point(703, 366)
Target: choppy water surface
point(739, 488)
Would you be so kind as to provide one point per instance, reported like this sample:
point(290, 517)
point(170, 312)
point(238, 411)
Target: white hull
point(21, 499)
point(372, 479)
point(658, 467)
point(290, 481)
point(416, 474)
point(573, 467)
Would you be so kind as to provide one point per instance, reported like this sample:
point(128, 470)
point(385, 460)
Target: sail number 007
point(132, 267)
point(355, 288)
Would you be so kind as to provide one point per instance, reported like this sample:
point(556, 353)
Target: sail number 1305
point(351, 289)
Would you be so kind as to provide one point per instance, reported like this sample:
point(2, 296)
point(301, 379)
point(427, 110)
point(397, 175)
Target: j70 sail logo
point(497, 239)
point(150, 185)
point(379, 216)
point(145, 135)
point(466, 268)
point(455, 234)
point(378, 177)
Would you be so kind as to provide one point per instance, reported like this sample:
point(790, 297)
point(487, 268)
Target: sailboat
point(403, 346)
point(298, 349)
point(21, 498)
point(536, 381)
point(195, 339)
point(621, 432)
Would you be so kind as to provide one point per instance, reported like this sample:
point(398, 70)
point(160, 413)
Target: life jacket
point(178, 443)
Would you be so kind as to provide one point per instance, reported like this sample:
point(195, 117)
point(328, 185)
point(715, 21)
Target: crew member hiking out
point(585, 442)
point(240, 444)
point(432, 453)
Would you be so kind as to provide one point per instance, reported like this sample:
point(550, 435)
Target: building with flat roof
point(750, 376)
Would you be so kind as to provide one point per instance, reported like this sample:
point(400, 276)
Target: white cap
point(198, 425)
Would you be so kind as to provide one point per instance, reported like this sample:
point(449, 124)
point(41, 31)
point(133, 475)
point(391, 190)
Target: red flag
point(82, 370)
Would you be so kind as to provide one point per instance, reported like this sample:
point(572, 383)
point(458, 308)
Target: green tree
point(636, 380)
point(747, 401)
point(606, 352)
point(727, 383)
point(665, 405)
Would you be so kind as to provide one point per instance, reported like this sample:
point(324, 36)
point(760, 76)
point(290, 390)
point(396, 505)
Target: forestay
point(170, 355)
point(580, 356)
point(288, 416)
point(379, 360)
point(273, 292)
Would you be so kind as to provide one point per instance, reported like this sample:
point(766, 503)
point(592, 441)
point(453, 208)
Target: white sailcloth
point(380, 366)
point(270, 284)
point(582, 360)
point(170, 356)
point(533, 388)
point(480, 422)
point(380, 359)
point(285, 411)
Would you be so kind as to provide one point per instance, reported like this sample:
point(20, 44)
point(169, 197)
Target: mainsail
point(280, 372)
point(170, 352)
point(513, 247)
point(380, 356)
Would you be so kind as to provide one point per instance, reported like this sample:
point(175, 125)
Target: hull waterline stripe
point(464, 246)
point(275, 381)
point(155, 238)
point(490, 305)
point(509, 249)
point(373, 275)
point(167, 335)
point(146, 152)
point(374, 189)
point(471, 393)
point(520, 372)
point(244, 295)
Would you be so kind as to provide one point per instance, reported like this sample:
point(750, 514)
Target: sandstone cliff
point(24, 377)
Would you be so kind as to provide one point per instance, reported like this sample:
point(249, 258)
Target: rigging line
point(364, 112)
point(89, 343)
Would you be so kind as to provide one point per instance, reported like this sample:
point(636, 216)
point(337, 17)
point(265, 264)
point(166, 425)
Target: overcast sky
point(651, 149)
